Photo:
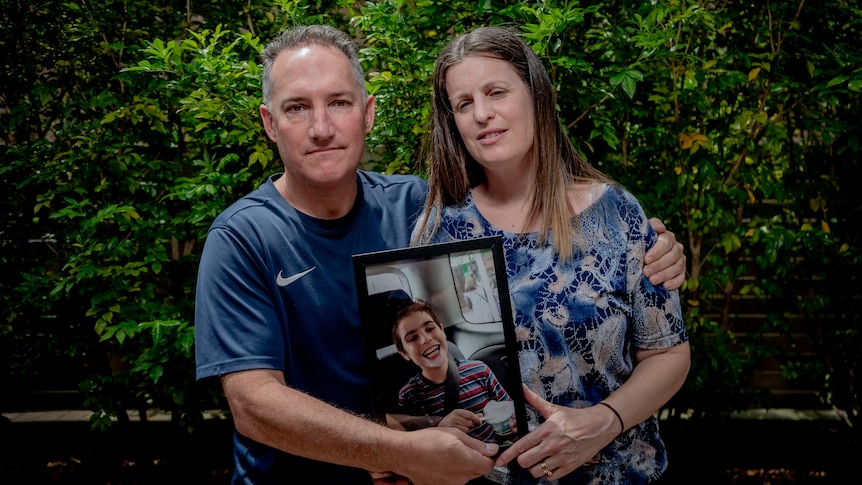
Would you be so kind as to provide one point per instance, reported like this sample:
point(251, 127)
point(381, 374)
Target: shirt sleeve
point(656, 314)
point(235, 321)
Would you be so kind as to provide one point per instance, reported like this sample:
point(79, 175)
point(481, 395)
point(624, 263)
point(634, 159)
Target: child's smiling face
point(424, 341)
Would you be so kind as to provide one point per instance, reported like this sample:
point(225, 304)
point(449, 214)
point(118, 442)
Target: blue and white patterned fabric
point(578, 322)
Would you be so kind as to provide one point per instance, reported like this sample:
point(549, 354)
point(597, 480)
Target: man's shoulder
point(245, 206)
point(399, 195)
point(384, 181)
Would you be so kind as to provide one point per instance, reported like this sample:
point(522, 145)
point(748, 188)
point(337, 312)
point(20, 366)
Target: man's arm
point(266, 410)
point(665, 261)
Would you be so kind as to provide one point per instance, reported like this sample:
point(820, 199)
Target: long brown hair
point(554, 163)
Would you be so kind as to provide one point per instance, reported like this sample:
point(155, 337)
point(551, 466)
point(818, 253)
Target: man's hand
point(439, 456)
point(664, 263)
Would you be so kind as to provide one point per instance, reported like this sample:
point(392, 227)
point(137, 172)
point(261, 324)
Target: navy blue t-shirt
point(276, 290)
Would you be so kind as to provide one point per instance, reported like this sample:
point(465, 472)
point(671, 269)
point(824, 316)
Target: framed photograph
point(440, 338)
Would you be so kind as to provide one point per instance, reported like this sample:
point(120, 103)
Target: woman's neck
point(505, 200)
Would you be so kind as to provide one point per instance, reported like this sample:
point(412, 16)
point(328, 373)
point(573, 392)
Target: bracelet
point(622, 426)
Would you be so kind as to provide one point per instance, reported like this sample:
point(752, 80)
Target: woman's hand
point(566, 440)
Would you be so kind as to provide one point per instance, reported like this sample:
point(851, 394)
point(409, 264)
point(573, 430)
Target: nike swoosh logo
point(282, 281)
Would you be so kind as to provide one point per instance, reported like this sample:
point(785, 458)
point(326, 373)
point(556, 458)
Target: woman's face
point(493, 111)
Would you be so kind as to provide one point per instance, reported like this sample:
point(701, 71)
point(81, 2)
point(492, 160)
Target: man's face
point(423, 339)
point(319, 116)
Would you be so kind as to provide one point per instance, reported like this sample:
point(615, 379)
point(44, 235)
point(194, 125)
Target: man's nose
point(321, 125)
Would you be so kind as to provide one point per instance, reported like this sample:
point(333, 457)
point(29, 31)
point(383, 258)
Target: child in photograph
point(419, 337)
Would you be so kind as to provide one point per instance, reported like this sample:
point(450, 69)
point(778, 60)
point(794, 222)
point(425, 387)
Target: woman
point(601, 348)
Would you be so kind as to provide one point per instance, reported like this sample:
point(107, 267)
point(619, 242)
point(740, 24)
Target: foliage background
point(131, 124)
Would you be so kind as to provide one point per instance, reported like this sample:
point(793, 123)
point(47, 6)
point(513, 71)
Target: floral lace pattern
point(578, 322)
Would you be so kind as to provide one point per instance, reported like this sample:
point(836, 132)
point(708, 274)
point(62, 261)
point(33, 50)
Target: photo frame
point(465, 284)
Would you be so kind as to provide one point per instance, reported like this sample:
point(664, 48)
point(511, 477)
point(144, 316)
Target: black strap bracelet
point(622, 426)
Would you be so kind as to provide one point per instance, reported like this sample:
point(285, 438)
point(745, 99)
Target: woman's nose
point(482, 111)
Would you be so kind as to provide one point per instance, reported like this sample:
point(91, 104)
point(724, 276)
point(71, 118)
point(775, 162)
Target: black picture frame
point(476, 316)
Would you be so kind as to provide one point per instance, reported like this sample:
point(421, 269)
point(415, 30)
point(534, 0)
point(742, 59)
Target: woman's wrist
point(617, 414)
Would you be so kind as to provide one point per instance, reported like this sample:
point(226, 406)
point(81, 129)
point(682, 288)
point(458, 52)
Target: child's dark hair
point(415, 307)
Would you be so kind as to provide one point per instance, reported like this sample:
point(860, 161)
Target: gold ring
point(545, 469)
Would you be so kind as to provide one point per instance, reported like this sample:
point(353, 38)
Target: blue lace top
point(578, 322)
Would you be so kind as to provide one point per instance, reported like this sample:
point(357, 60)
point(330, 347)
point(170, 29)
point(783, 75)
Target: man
point(276, 312)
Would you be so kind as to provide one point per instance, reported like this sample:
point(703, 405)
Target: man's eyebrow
point(304, 99)
point(342, 94)
point(292, 100)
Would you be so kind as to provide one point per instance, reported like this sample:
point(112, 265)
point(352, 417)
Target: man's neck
point(327, 203)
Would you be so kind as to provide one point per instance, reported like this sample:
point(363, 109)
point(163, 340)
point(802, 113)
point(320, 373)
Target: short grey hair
point(304, 35)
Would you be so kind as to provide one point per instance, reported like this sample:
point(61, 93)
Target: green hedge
point(130, 125)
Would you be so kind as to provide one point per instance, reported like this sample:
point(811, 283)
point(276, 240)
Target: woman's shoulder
point(620, 197)
point(584, 195)
point(459, 212)
point(614, 205)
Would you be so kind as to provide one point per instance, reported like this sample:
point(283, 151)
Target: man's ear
point(404, 354)
point(266, 118)
point(369, 114)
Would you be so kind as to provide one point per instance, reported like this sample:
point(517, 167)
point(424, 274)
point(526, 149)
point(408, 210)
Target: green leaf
point(836, 81)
